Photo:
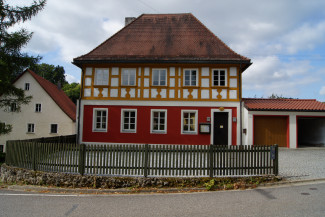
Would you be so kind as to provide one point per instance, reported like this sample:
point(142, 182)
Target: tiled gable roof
point(58, 95)
point(253, 104)
point(163, 37)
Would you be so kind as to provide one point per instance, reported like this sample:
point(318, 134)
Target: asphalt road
point(299, 200)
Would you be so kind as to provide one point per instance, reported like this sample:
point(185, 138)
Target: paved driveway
point(303, 163)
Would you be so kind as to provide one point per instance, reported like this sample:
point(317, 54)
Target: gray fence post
point(34, 156)
point(276, 162)
point(211, 163)
point(82, 157)
point(146, 159)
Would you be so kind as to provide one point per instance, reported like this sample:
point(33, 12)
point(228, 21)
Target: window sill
point(217, 87)
point(158, 132)
point(189, 133)
point(193, 87)
point(99, 131)
point(30, 132)
point(128, 86)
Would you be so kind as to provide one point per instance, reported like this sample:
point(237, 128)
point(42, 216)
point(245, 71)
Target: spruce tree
point(12, 60)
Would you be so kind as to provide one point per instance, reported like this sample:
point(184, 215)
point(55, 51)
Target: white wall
point(51, 114)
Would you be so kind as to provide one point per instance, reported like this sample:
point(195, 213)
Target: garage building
point(291, 123)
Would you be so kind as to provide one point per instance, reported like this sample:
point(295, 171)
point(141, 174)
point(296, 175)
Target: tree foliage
point(54, 74)
point(72, 90)
point(12, 60)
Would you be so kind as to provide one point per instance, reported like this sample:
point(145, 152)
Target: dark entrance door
point(220, 125)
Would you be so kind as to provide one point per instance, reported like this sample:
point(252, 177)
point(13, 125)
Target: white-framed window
point(13, 107)
point(101, 76)
point(129, 120)
point(189, 121)
point(30, 128)
point(159, 77)
point(100, 119)
point(54, 128)
point(129, 77)
point(219, 77)
point(27, 85)
point(190, 77)
point(38, 107)
point(158, 121)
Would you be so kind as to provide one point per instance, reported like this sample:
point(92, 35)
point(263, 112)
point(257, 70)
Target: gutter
point(79, 107)
point(241, 104)
point(247, 63)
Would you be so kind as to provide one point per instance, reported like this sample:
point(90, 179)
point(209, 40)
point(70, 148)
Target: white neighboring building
point(50, 112)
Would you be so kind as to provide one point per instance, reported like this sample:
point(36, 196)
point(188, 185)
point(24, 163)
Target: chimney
point(128, 20)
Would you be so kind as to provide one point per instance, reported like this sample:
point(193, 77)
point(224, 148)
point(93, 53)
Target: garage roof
point(308, 105)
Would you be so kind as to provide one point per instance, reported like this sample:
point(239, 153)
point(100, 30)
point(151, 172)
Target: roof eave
point(246, 63)
point(287, 110)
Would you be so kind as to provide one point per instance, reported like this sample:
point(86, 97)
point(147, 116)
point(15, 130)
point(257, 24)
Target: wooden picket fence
point(145, 160)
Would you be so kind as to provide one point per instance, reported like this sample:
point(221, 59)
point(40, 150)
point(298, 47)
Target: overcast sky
point(284, 38)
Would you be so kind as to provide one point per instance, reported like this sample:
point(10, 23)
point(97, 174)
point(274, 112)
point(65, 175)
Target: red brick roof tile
point(163, 37)
point(58, 95)
point(253, 104)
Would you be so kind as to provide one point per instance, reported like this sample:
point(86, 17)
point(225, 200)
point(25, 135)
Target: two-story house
point(49, 113)
point(162, 79)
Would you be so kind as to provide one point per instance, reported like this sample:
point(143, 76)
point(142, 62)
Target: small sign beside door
point(205, 128)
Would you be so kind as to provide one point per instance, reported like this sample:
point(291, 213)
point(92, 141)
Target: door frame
point(229, 111)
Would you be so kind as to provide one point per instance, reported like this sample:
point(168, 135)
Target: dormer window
point(219, 77)
point(27, 86)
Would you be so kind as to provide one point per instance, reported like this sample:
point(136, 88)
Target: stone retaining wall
point(12, 175)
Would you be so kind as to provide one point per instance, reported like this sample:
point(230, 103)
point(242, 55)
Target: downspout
point(79, 106)
point(240, 109)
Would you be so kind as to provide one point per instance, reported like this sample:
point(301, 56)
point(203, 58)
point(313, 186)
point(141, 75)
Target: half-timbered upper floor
point(162, 82)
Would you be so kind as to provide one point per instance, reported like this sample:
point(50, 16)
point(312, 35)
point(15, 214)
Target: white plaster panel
point(114, 92)
point(139, 71)
point(179, 82)
point(205, 94)
point(232, 94)
point(146, 93)
point(115, 71)
point(233, 71)
point(114, 82)
point(205, 71)
point(172, 82)
point(96, 92)
point(154, 93)
point(89, 71)
point(105, 92)
point(146, 82)
point(88, 82)
point(194, 94)
point(139, 93)
point(205, 82)
point(223, 94)
point(123, 92)
point(139, 82)
point(233, 82)
point(179, 71)
point(171, 94)
point(132, 92)
point(214, 94)
point(185, 93)
point(172, 71)
point(163, 93)
point(179, 93)
point(87, 92)
point(146, 71)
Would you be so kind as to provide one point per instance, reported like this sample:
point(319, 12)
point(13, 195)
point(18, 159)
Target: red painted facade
point(143, 134)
